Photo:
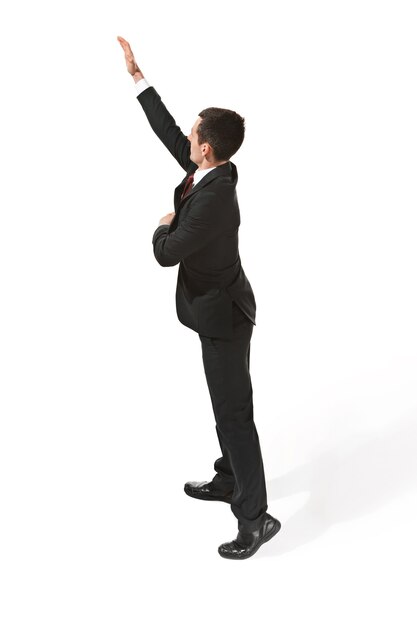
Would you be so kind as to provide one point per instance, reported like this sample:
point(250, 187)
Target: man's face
point(197, 150)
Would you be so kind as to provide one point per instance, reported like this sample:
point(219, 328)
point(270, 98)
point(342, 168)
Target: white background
point(105, 411)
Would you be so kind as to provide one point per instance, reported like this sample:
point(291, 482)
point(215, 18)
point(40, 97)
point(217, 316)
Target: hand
point(167, 219)
point(132, 66)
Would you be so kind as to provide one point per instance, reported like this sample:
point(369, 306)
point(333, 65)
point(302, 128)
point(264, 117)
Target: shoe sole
point(207, 497)
point(272, 533)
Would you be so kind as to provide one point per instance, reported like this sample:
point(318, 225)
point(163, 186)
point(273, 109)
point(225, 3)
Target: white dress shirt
point(141, 85)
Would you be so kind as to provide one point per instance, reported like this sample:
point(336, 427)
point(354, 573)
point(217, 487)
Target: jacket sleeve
point(165, 127)
point(201, 226)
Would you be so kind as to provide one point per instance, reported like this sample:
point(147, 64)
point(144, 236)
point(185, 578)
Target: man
point(215, 299)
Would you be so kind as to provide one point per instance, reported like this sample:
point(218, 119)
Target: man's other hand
point(167, 219)
point(132, 66)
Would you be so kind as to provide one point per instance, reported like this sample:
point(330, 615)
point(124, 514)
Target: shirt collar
point(198, 174)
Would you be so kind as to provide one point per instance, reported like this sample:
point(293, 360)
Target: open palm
point(132, 66)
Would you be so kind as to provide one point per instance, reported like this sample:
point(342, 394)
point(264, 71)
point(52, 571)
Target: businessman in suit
point(214, 298)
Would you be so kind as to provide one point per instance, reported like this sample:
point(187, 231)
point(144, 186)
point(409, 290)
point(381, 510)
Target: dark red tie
point(188, 185)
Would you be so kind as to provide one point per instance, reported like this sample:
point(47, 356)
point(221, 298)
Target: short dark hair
point(223, 129)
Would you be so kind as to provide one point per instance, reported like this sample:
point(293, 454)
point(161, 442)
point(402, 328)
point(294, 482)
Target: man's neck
point(207, 165)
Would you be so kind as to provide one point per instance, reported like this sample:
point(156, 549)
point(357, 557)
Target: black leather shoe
point(246, 544)
point(207, 491)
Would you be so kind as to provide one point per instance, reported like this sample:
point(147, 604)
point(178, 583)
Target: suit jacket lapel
point(221, 170)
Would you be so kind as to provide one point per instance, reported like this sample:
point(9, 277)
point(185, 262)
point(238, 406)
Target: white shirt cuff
point(141, 85)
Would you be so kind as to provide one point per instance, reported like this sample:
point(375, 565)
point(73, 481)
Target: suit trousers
point(240, 468)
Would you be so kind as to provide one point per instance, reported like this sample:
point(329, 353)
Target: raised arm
point(161, 121)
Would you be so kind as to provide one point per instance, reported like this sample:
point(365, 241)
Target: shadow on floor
point(346, 481)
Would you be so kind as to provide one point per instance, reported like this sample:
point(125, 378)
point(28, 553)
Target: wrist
point(137, 76)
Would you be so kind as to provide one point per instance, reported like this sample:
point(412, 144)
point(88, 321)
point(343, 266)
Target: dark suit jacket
point(202, 237)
